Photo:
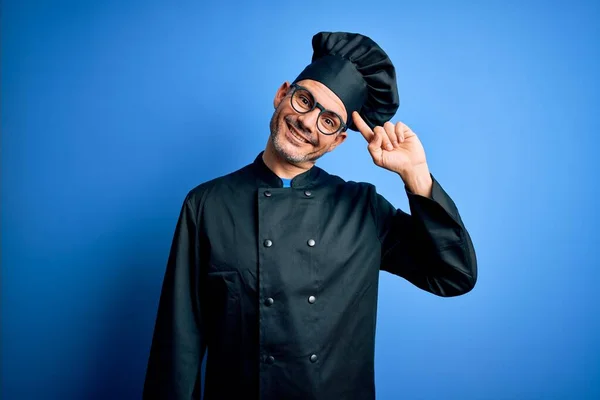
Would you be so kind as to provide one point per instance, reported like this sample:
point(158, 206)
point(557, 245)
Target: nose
point(309, 120)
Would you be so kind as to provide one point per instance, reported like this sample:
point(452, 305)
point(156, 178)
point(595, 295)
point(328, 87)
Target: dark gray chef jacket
point(279, 285)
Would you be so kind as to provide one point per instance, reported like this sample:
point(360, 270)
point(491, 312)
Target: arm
point(430, 248)
point(178, 343)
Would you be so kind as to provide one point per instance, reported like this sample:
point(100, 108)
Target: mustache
point(307, 133)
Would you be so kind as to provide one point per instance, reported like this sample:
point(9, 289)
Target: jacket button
point(307, 193)
point(269, 302)
point(313, 358)
point(267, 193)
point(311, 242)
point(270, 360)
point(268, 243)
point(312, 299)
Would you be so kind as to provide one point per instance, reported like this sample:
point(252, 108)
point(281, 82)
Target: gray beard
point(277, 139)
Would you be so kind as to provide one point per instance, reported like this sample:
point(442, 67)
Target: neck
point(280, 166)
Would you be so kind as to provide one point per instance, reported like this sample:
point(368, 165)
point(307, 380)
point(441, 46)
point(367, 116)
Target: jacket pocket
point(222, 298)
point(225, 325)
point(223, 308)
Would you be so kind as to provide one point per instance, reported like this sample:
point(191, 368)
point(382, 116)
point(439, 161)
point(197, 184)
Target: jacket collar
point(306, 179)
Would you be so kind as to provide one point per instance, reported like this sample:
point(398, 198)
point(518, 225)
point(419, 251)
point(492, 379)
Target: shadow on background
point(116, 365)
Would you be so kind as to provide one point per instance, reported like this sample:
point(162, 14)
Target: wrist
point(418, 180)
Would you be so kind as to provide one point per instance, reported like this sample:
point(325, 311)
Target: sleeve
point(178, 343)
point(431, 247)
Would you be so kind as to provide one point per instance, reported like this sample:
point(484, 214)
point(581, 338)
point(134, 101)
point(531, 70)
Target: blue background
point(113, 110)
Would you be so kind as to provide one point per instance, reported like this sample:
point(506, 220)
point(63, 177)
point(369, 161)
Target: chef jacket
point(279, 285)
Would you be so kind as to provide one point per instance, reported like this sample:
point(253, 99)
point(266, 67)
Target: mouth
point(296, 135)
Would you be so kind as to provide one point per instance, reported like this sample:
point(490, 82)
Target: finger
point(375, 143)
point(385, 140)
point(389, 130)
point(400, 131)
point(374, 146)
point(408, 132)
point(362, 127)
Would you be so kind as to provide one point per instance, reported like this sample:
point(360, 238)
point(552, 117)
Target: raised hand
point(396, 148)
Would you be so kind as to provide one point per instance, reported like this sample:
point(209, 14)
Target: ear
point(339, 139)
point(281, 93)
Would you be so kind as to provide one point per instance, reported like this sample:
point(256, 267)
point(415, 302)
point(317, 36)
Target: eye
point(330, 120)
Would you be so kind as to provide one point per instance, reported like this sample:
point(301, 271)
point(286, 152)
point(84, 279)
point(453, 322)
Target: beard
point(287, 151)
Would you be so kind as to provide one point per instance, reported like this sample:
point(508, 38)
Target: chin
point(287, 149)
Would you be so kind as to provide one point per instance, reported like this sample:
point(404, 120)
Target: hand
point(397, 149)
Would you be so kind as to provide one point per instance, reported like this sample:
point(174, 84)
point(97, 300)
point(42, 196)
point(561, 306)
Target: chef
point(274, 268)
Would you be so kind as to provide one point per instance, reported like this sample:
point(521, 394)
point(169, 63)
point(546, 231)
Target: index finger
point(362, 127)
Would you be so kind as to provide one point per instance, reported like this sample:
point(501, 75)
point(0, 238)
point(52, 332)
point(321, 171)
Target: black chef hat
point(358, 71)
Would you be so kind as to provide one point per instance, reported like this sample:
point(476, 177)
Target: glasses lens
point(329, 122)
point(303, 101)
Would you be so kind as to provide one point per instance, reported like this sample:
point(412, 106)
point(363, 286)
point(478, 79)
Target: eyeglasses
point(303, 102)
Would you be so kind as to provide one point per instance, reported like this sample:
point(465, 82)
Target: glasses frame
point(343, 127)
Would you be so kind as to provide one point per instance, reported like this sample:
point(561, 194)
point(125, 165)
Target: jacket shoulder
point(197, 195)
point(348, 185)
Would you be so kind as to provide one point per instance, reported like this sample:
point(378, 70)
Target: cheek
point(281, 119)
point(331, 143)
point(278, 121)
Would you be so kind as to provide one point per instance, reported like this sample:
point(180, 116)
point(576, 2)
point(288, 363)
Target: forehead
point(325, 96)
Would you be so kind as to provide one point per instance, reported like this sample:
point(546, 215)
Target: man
point(274, 268)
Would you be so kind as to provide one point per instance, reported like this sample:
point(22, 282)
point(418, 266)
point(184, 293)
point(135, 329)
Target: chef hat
point(358, 71)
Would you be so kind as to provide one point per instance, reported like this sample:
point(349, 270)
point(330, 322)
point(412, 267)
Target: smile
point(296, 136)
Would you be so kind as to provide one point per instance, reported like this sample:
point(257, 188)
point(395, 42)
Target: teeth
point(298, 137)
